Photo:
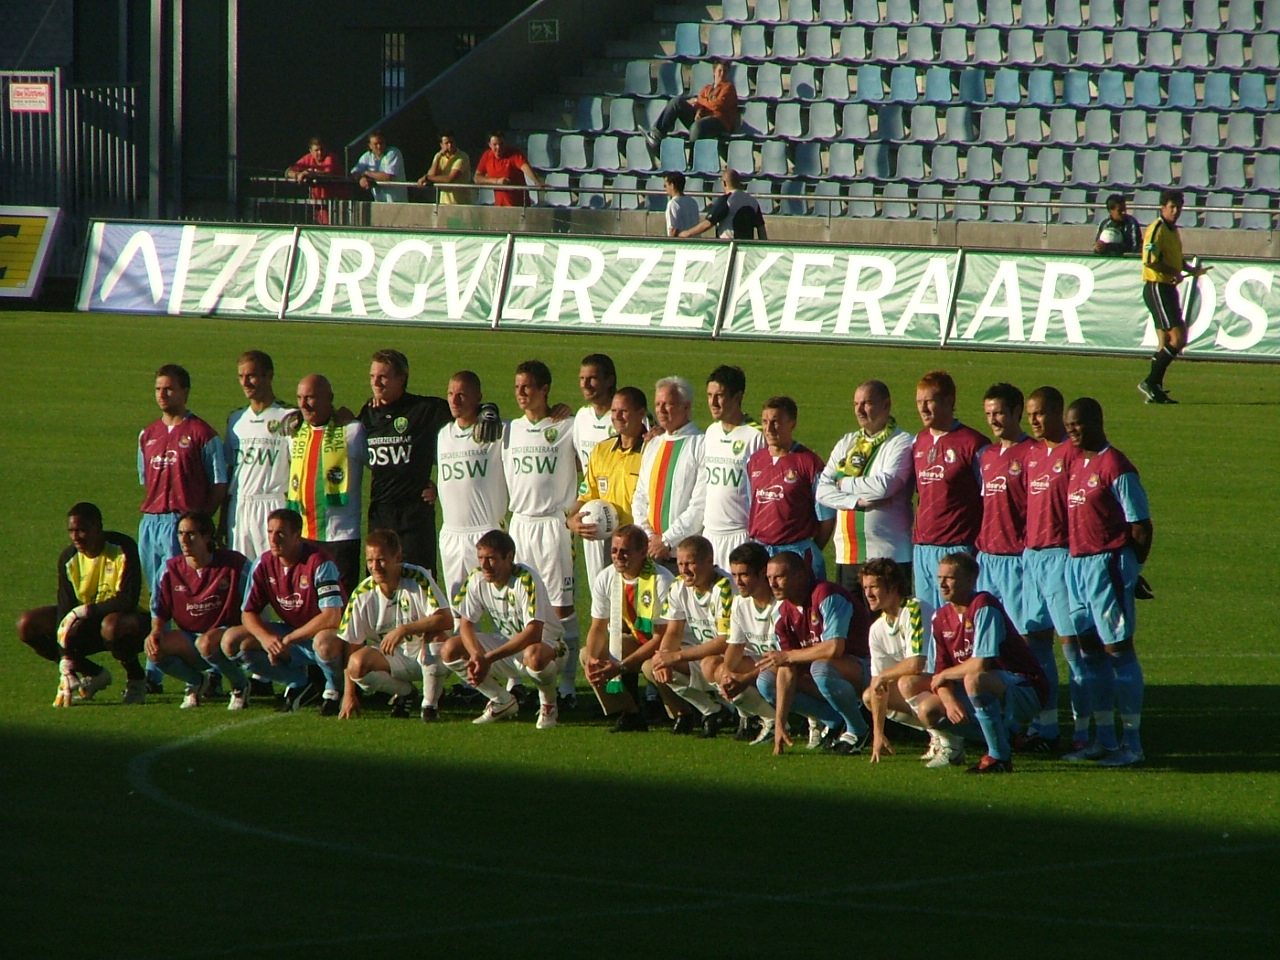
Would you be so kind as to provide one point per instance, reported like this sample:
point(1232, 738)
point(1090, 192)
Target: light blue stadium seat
point(980, 164)
point(1157, 166)
point(895, 202)
point(1228, 52)
point(1089, 49)
point(937, 86)
point(622, 115)
point(1266, 173)
point(920, 48)
point(808, 160)
point(924, 123)
point(588, 116)
point(1122, 169)
point(1124, 49)
point(639, 80)
point(688, 41)
point(1190, 215)
point(604, 154)
point(1194, 54)
point(786, 42)
point(999, 13)
point(958, 124)
point(1146, 90)
point(869, 86)
point(1027, 126)
point(1086, 167)
point(928, 202)
point(1219, 215)
point(1242, 16)
point(954, 47)
point(557, 192)
point(762, 190)
point(1133, 128)
point(1097, 128)
point(853, 43)
point(1242, 130)
point(1229, 173)
point(973, 86)
point(1064, 126)
point(897, 12)
point(801, 11)
point(1217, 92)
point(968, 203)
point(1007, 90)
point(884, 45)
point(902, 85)
point(890, 122)
point(987, 48)
point(786, 120)
point(670, 80)
point(818, 44)
point(909, 164)
point(803, 81)
point(1270, 131)
point(1040, 90)
point(655, 195)
point(931, 12)
point(822, 121)
point(573, 152)
point(827, 202)
point(700, 74)
point(1111, 91)
point(769, 82)
point(1050, 166)
point(1034, 13)
point(1000, 205)
point(1206, 131)
point(773, 159)
point(1056, 50)
point(672, 155)
point(1257, 213)
point(625, 201)
point(754, 43)
point(538, 152)
point(1194, 174)
point(734, 11)
point(741, 156)
point(855, 122)
point(1015, 165)
point(1032, 209)
point(1137, 14)
point(944, 163)
point(755, 119)
point(993, 125)
point(720, 41)
point(861, 203)
point(842, 161)
point(835, 83)
point(1075, 89)
point(638, 157)
point(875, 161)
point(1159, 54)
point(833, 11)
point(1102, 14)
point(1169, 130)
point(706, 157)
point(965, 13)
point(1022, 47)
point(1252, 91)
point(768, 11)
point(1171, 15)
point(1073, 214)
point(588, 197)
point(793, 202)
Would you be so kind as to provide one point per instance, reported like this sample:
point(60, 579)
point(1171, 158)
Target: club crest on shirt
point(401, 424)
point(1015, 468)
point(790, 476)
point(611, 432)
point(304, 581)
point(552, 434)
point(273, 426)
point(1093, 479)
point(404, 603)
point(949, 456)
point(184, 442)
point(1057, 466)
point(738, 447)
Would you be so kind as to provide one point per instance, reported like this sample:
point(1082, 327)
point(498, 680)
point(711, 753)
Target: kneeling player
point(200, 592)
point(697, 614)
point(751, 636)
point(899, 640)
point(529, 641)
point(821, 662)
point(981, 669)
point(99, 580)
point(394, 618)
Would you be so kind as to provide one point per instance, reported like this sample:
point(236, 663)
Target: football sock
point(750, 702)
point(1101, 683)
point(1042, 649)
point(569, 675)
point(631, 684)
point(291, 674)
point(840, 693)
point(178, 668)
point(154, 674)
point(1077, 690)
point(376, 680)
point(332, 670)
point(490, 687)
point(1129, 686)
point(545, 680)
point(682, 684)
point(816, 708)
point(990, 715)
point(1159, 364)
point(228, 668)
point(433, 675)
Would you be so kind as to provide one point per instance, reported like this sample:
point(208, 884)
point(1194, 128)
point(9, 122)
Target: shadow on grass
point(299, 837)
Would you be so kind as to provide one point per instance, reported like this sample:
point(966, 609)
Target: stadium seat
point(937, 86)
point(993, 125)
point(672, 155)
point(920, 48)
point(622, 115)
point(1055, 48)
point(1035, 13)
point(1205, 130)
point(1089, 49)
point(999, 13)
point(827, 202)
point(573, 152)
point(928, 202)
point(1050, 168)
point(1159, 55)
point(720, 41)
point(652, 111)
point(909, 164)
point(1242, 130)
point(833, 11)
point(895, 202)
point(1270, 16)
point(1171, 15)
point(1206, 16)
point(1228, 52)
point(818, 44)
point(1027, 126)
point(1229, 173)
point(842, 161)
point(604, 154)
point(980, 164)
point(1073, 214)
point(1097, 128)
point(670, 80)
point(1063, 126)
point(1075, 89)
point(885, 45)
point(944, 163)
point(958, 125)
point(987, 48)
point(538, 152)
point(655, 195)
point(1194, 54)
point(793, 202)
point(1137, 15)
point(1252, 91)
point(1006, 90)
point(1086, 167)
point(1000, 205)
point(1257, 213)
point(755, 119)
point(734, 11)
point(638, 157)
point(557, 192)
point(706, 157)
point(769, 82)
point(855, 122)
point(808, 160)
point(786, 120)
point(1122, 169)
point(924, 123)
point(639, 82)
point(773, 159)
point(973, 86)
point(868, 85)
point(802, 82)
point(968, 205)
point(786, 42)
point(1015, 165)
point(1217, 92)
point(1033, 209)
point(1266, 173)
point(853, 44)
point(1157, 166)
point(762, 190)
point(1040, 91)
point(897, 12)
point(875, 161)
point(1133, 128)
point(1219, 215)
point(1181, 93)
point(741, 156)
point(965, 13)
point(1270, 130)
point(1146, 90)
point(588, 198)
point(822, 121)
point(700, 74)
point(1102, 14)
point(588, 116)
point(860, 202)
point(931, 13)
point(890, 123)
point(753, 44)
point(1190, 215)
point(1124, 49)
point(1241, 16)
point(1022, 47)
point(835, 83)
point(902, 85)
point(954, 47)
point(1111, 89)
point(688, 41)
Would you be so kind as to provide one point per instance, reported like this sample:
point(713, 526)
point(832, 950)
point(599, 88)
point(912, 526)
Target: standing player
point(822, 658)
point(401, 428)
point(538, 459)
point(1163, 269)
point(627, 624)
point(867, 480)
point(1002, 538)
point(730, 441)
point(1109, 530)
point(301, 585)
point(392, 622)
point(613, 469)
point(257, 450)
point(1044, 564)
point(945, 459)
point(200, 593)
point(697, 615)
point(593, 424)
point(783, 478)
point(979, 668)
point(99, 582)
point(899, 641)
point(182, 466)
point(472, 487)
point(752, 619)
point(669, 501)
point(527, 639)
point(326, 466)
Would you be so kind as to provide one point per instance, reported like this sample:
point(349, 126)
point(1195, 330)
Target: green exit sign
point(544, 31)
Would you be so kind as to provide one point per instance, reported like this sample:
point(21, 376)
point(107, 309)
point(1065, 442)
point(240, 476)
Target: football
point(604, 515)
point(1110, 235)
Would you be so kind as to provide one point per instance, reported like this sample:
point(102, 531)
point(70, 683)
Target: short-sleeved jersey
point(588, 430)
point(894, 639)
point(734, 212)
point(949, 511)
point(198, 600)
point(257, 452)
point(705, 613)
point(612, 474)
point(538, 460)
point(669, 500)
point(297, 592)
point(1048, 470)
point(390, 162)
point(511, 606)
point(179, 465)
point(1104, 496)
point(1004, 497)
point(470, 482)
point(984, 630)
point(111, 582)
point(1162, 260)
point(401, 438)
point(830, 612)
point(602, 598)
point(682, 213)
point(881, 530)
point(724, 473)
point(753, 626)
point(324, 516)
point(783, 509)
point(509, 167)
point(371, 614)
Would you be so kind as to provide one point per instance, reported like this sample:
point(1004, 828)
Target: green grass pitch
point(151, 832)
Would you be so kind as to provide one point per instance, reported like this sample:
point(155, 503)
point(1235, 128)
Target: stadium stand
point(949, 108)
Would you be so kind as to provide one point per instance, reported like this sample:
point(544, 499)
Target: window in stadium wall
point(464, 42)
point(393, 72)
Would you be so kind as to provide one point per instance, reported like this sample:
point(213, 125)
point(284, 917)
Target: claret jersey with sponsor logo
point(1048, 470)
point(178, 465)
point(783, 509)
point(984, 630)
point(296, 592)
point(198, 600)
point(1004, 497)
point(949, 511)
point(1104, 496)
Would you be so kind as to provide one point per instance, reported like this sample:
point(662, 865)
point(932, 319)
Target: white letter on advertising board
point(750, 286)
point(798, 290)
point(1005, 282)
point(1050, 303)
point(212, 300)
point(870, 299)
point(387, 275)
point(1240, 305)
point(937, 280)
point(579, 287)
point(335, 276)
point(529, 280)
point(680, 288)
point(649, 258)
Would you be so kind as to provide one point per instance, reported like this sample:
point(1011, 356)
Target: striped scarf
point(318, 475)
point(863, 451)
point(661, 482)
point(644, 600)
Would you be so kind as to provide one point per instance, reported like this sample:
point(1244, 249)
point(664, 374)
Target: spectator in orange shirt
point(713, 113)
point(501, 165)
point(316, 167)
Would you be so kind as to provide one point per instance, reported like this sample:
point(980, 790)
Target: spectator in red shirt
point(501, 165)
point(316, 167)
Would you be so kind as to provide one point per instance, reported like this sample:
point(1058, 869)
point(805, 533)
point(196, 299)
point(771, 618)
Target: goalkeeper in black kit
point(401, 428)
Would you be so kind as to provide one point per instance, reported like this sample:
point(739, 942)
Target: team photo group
point(963, 561)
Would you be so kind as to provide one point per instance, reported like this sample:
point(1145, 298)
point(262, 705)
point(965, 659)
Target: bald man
point(326, 467)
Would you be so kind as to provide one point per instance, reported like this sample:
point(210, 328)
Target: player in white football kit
point(393, 620)
point(470, 484)
point(730, 441)
point(257, 451)
point(697, 615)
point(542, 482)
point(751, 635)
point(528, 642)
point(899, 639)
point(598, 380)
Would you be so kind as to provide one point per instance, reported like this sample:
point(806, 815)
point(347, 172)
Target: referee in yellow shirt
point(1163, 268)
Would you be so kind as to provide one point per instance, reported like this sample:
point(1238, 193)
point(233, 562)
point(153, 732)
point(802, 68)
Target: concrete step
point(686, 13)
point(639, 49)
